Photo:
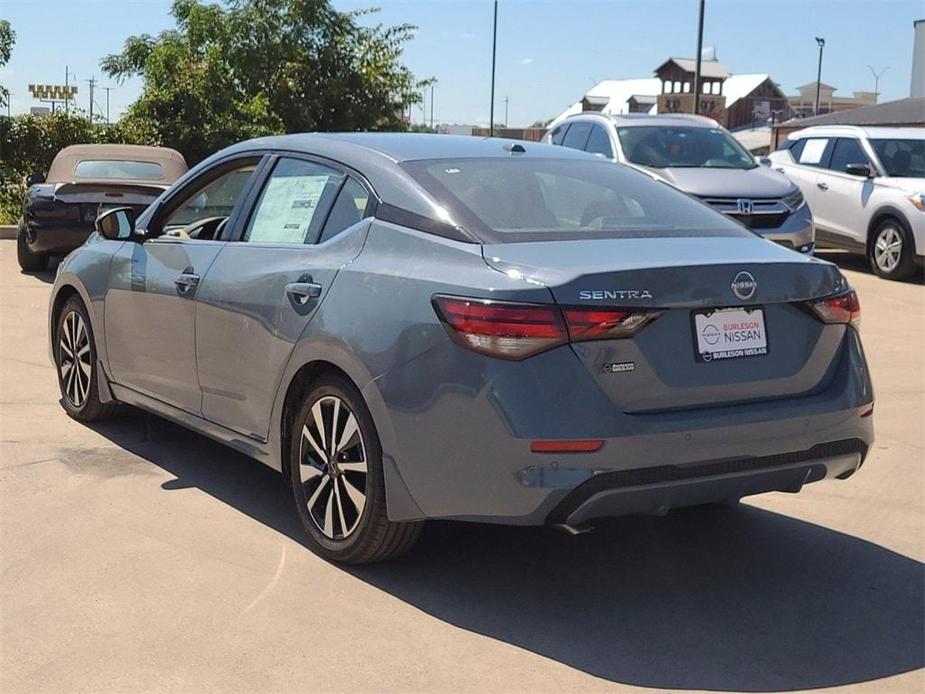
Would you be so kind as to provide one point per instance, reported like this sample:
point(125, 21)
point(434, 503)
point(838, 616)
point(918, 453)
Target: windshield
point(533, 199)
point(119, 169)
point(661, 147)
point(901, 158)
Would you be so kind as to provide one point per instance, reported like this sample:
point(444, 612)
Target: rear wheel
point(337, 479)
point(891, 250)
point(75, 357)
point(29, 261)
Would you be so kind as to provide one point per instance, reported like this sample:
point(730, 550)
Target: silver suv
point(701, 158)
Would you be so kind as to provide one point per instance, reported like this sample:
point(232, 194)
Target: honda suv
point(867, 190)
point(701, 158)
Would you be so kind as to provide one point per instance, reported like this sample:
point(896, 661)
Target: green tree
point(7, 39)
point(255, 67)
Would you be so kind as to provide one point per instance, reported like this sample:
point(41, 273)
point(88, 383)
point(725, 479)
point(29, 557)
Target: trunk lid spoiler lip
point(644, 272)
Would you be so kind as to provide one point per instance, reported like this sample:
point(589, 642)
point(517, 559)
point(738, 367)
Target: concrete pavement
point(137, 556)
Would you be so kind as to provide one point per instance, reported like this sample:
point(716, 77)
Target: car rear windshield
point(901, 158)
point(119, 169)
point(535, 199)
point(661, 147)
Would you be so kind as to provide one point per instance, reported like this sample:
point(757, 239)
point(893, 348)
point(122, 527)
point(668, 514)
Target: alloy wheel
point(333, 467)
point(888, 249)
point(74, 361)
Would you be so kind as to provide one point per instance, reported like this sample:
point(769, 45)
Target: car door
point(150, 308)
point(265, 286)
point(807, 155)
point(841, 197)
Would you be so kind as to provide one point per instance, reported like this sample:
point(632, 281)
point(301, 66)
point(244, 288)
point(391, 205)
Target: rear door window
point(815, 151)
point(599, 142)
point(349, 208)
point(577, 135)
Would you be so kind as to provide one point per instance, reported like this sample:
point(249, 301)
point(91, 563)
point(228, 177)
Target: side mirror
point(764, 161)
point(859, 170)
point(35, 178)
point(117, 224)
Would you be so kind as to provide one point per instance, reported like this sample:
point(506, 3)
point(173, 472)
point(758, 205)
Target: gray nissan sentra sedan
point(424, 326)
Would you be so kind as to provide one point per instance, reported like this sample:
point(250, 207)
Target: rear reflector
point(580, 446)
point(512, 330)
point(843, 308)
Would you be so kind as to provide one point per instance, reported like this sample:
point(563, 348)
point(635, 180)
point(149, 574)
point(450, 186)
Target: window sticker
point(286, 209)
point(813, 151)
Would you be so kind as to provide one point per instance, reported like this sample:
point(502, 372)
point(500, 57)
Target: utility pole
point(821, 43)
point(108, 89)
point(431, 106)
point(877, 76)
point(494, 51)
point(699, 60)
point(506, 100)
point(92, 82)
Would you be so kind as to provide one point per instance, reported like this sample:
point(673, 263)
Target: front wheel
point(75, 357)
point(891, 251)
point(337, 479)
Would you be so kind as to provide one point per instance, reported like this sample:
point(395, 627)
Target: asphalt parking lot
point(137, 556)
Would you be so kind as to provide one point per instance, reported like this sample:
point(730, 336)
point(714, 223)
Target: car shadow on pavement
point(718, 599)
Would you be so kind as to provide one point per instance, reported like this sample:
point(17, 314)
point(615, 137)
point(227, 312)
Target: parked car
point(866, 187)
point(427, 326)
point(61, 207)
point(701, 158)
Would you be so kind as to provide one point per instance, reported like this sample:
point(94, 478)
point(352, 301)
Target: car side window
point(349, 208)
point(559, 133)
point(215, 199)
point(599, 142)
point(293, 203)
point(847, 151)
point(814, 151)
point(577, 135)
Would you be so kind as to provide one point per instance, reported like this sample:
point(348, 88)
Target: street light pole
point(431, 106)
point(699, 60)
point(494, 50)
point(877, 76)
point(506, 100)
point(92, 82)
point(821, 43)
point(108, 89)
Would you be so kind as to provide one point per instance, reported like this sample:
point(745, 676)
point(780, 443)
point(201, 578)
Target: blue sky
point(550, 52)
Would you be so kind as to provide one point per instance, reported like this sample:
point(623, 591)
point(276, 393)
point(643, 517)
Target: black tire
point(29, 261)
point(887, 232)
point(355, 535)
point(78, 381)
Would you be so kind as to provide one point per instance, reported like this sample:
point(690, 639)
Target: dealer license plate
point(730, 333)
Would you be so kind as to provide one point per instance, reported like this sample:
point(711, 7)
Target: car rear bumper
point(463, 449)
point(658, 489)
point(56, 238)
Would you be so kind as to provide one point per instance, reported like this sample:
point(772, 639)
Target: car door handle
point(186, 282)
point(822, 185)
point(779, 168)
point(302, 292)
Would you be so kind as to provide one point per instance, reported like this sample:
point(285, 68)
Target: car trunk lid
point(736, 285)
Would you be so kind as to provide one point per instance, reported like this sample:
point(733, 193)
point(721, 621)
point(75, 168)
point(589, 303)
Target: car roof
point(873, 132)
point(399, 147)
point(62, 168)
point(629, 120)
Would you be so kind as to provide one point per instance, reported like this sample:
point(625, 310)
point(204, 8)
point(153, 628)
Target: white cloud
point(526, 61)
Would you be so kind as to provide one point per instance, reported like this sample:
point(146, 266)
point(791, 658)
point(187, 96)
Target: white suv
point(866, 188)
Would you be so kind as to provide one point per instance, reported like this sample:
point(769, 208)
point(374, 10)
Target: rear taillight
point(602, 324)
point(843, 308)
point(511, 330)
